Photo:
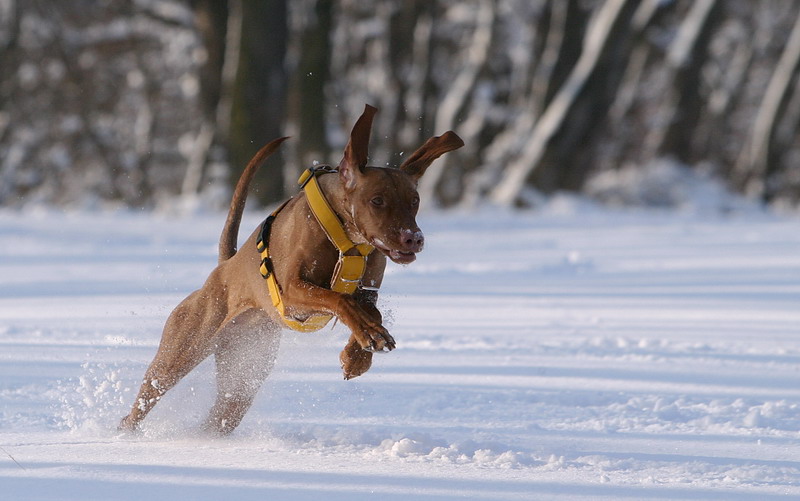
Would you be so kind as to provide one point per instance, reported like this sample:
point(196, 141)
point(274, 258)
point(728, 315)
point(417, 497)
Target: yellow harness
point(349, 268)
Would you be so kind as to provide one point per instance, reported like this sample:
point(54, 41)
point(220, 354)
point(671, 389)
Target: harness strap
point(349, 268)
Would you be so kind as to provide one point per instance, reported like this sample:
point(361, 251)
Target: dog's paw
point(128, 427)
point(377, 340)
point(365, 323)
point(354, 359)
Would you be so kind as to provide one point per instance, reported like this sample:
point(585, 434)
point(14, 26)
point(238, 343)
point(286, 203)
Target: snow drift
point(570, 353)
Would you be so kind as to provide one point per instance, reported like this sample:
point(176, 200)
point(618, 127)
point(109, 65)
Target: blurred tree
point(308, 116)
point(243, 90)
point(259, 93)
point(683, 105)
point(95, 101)
point(209, 148)
point(759, 163)
point(136, 102)
point(608, 29)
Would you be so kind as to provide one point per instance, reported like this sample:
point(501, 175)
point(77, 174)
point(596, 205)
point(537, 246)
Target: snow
point(572, 352)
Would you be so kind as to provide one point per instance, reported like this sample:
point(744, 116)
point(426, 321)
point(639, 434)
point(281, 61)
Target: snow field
point(569, 353)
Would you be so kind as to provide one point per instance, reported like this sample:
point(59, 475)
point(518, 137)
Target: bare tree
point(99, 100)
point(259, 93)
point(307, 116)
point(135, 102)
point(211, 19)
point(609, 20)
point(457, 95)
point(681, 107)
point(758, 161)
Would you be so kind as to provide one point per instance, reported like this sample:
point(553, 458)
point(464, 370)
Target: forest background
point(109, 103)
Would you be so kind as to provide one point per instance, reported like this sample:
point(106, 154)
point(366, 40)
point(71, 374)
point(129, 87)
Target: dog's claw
point(378, 341)
point(386, 348)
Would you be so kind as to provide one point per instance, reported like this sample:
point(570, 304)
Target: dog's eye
point(415, 201)
point(377, 201)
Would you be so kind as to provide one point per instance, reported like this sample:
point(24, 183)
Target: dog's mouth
point(397, 256)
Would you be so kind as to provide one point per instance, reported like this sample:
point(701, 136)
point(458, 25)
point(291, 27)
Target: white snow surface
point(571, 352)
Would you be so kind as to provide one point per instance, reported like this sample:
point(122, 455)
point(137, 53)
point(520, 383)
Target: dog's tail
point(230, 233)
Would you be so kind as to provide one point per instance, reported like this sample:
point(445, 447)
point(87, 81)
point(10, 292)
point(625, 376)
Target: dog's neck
point(334, 192)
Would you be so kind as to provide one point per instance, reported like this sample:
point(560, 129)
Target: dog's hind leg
point(246, 350)
point(188, 339)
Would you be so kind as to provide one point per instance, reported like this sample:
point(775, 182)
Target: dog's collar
point(349, 268)
point(325, 215)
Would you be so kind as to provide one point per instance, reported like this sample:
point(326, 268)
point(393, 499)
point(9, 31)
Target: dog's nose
point(412, 240)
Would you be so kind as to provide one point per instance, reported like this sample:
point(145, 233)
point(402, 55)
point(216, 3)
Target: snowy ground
point(568, 353)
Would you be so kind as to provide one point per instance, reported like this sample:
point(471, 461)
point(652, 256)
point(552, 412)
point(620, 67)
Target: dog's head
point(383, 202)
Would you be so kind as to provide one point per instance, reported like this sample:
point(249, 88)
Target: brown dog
point(234, 316)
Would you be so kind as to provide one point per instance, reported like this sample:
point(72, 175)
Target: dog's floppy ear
point(357, 149)
point(418, 162)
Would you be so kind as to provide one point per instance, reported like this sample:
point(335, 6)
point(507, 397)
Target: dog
point(315, 264)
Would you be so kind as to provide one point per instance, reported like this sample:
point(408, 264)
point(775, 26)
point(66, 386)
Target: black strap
point(263, 236)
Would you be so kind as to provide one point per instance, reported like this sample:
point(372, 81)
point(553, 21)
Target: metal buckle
point(313, 171)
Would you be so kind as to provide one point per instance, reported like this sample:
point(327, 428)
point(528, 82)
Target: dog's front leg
point(365, 324)
point(354, 359)
point(363, 319)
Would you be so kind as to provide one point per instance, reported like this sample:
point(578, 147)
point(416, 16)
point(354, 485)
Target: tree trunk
point(757, 159)
point(307, 110)
point(410, 133)
point(682, 107)
point(259, 93)
point(457, 95)
point(211, 21)
point(558, 53)
point(609, 20)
